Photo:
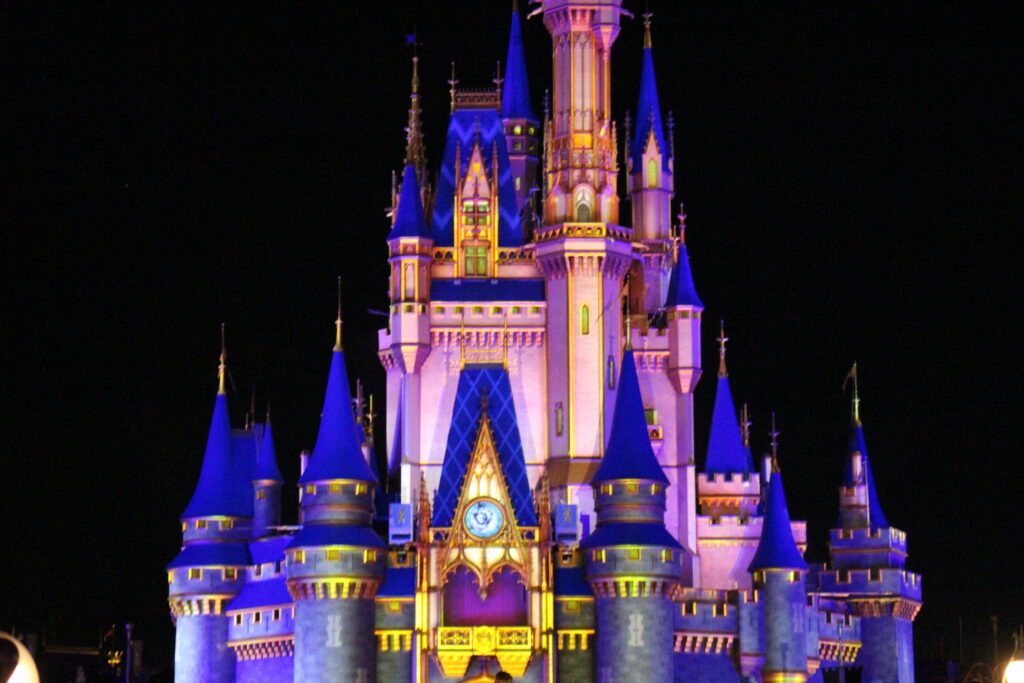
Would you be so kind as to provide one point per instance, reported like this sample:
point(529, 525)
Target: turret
point(867, 567)
point(779, 574)
point(517, 117)
point(649, 166)
point(409, 248)
point(209, 571)
point(632, 562)
point(729, 483)
point(266, 485)
point(336, 562)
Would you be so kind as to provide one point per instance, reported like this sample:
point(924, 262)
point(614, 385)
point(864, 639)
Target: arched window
point(583, 212)
point(584, 319)
point(410, 281)
point(652, 173)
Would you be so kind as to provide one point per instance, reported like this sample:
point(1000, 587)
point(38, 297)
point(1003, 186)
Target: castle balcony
point(457, 645)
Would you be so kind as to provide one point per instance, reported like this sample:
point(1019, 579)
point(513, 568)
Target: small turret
point(726, 453)
point(336, 562)
point(649, 182)
point(683, 309)
point(779, 573)
point(517, 117)
point(409, 246)
point(266, 484)
point(632, 562)
point(868, 566)
point(208, 571)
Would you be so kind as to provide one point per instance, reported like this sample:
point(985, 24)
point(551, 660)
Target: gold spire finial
point(775, 434)
point(268, 413)
point(648, 15)
point(722, 339)
point(855, 399)
point(745, 425)
point(337, 322)
point(222, 369)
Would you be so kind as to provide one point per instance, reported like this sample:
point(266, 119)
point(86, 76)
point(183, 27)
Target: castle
point(542, 510)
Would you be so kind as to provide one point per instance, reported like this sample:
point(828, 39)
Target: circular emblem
point(484, 519)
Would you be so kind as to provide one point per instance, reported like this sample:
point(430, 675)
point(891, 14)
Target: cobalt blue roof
point(515, 96)
point(410, 220)
point(262, 593)
point(266, 457)
point(681, 291)
point(316, 535)
point(726, 453)
point(464, 128)
point(462, 434)
point(859, 444)
point(220, 489)
point(399, 582)
point(648, 116)
point(777, 549)
point(569, 581)
point(629, 454)
point(338, 453)
point(629, 533)
point(269, 549)
point(212, 554)
point(480, 289)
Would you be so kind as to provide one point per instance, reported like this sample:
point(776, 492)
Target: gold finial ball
point(25, 670)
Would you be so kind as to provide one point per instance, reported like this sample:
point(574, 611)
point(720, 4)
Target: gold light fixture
point(25, 671)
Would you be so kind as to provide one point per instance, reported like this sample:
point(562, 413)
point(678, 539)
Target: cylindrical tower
point(779, 573)
point(335, 564)
point(633, 563)
point(210, 569)
point(266, 485)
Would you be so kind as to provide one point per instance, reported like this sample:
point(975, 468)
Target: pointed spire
point(515, 96)
point(855, 397)
point(777, 549)
point(681, 290)
point(858, 446)
point(452, 83)
point(774, 434)
point(726, 452)
point(222, 369)
point(629, 454)
point(337, 322)
point(722, 339)
point(415, 149)
point(745, 426)
point(338, 453)
point(217, 492)
point(648, 109)
point(266, 457)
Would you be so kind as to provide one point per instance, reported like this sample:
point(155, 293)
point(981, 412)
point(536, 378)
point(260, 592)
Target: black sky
point(849, 172)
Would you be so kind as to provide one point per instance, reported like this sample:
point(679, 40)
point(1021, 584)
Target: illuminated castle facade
point(541, 508)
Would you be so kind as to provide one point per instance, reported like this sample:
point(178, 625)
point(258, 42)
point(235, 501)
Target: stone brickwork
point(888, 652)
point(201, 652)
point(334, 641)
point(634, 640)
point(269, 670)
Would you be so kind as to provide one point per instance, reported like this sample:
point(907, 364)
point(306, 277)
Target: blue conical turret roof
point(218, 492)
point(726, 453)
point(777, 549)
point(338, 452)
point(266, 457)
point(629, 454)
point(681, 291)
point(410, 220)
point(858, 444)
point(648, 116)
point(515, 95)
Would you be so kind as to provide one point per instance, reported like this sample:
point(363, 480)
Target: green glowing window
point(195, 574)
point(634, 554)
point(584, 319)
point(476, 261)
point(651, 415)
point(632, 488)
point(230, 573)
point(652, 173)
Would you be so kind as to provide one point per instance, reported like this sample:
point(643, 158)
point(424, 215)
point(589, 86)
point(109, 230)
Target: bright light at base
point(26, 671)
point(1014, 672)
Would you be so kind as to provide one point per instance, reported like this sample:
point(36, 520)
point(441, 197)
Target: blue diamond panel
point(462, 437)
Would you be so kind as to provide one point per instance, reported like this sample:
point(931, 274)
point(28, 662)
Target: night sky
point(848, 171)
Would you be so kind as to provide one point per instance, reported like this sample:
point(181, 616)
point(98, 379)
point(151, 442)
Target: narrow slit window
point(585, 319)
